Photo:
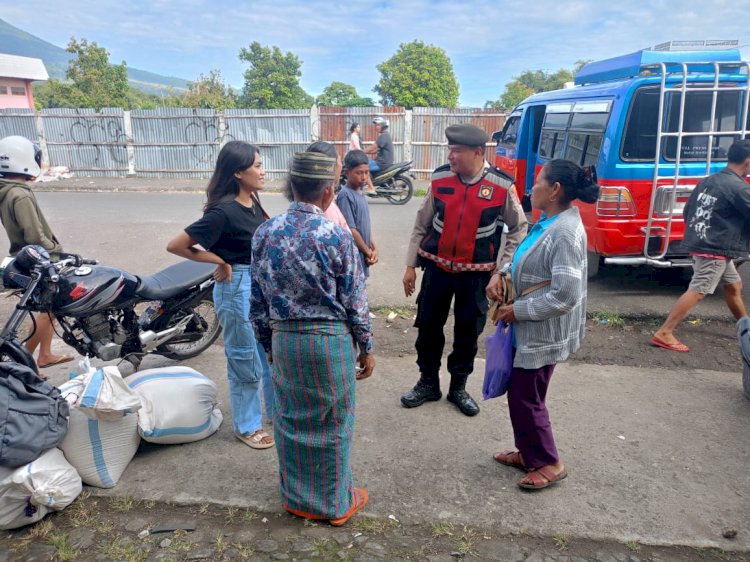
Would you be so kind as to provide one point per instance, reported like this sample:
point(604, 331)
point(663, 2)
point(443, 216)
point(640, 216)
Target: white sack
point(29, 492)
point(179, 405)
point(100, 450)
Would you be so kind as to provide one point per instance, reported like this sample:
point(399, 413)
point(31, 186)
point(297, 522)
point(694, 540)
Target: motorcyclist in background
point(25, 224)
point(382, 149)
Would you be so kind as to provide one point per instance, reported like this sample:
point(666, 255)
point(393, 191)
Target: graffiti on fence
point(104, 134)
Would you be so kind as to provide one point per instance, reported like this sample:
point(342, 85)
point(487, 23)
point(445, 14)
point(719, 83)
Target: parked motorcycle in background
point(108, 313)
point(394, 183)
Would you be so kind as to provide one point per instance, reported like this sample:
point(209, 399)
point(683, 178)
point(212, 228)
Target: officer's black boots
point(426, 390)
point(457, 395)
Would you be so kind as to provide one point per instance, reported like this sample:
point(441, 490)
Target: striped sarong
point(314, 383)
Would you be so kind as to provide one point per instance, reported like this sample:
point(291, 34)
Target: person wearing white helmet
point(382, 149)
point(25, 224)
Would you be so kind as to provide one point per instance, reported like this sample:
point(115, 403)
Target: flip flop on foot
point(56, 361)
point(360, 501)
point(541, 478)
point(677, 346)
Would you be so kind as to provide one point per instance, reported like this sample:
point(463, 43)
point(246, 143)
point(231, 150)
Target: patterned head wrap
point(313, 166)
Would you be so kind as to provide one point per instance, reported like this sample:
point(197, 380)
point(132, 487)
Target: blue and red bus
point(654, 123)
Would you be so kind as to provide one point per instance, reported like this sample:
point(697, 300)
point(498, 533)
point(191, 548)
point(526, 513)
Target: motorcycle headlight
point(29, 256)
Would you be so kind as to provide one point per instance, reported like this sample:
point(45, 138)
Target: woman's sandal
point(541, 478)
point(255, 440)
point(511, 458)
point(360, 501)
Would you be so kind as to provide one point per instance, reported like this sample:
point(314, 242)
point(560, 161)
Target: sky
point(489, 43)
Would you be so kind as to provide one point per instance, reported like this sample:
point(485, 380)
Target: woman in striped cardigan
point(548, 323)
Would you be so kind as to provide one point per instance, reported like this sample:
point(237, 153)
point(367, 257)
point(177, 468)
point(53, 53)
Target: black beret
point(466, 135)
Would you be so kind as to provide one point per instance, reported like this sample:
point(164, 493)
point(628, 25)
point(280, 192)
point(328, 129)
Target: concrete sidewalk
point(658, 457)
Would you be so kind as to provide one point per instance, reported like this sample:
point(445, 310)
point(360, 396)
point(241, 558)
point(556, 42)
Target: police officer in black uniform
point(456, 240)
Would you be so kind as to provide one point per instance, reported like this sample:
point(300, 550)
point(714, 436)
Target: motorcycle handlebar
point(52, 273)
point(75, 260)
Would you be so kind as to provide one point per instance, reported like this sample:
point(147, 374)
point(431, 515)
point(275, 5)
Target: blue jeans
point(247, 365)
point(374, 166)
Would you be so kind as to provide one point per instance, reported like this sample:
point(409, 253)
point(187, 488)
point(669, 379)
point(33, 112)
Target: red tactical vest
point(468, 223)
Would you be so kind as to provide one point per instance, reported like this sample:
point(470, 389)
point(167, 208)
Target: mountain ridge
point(16, 41)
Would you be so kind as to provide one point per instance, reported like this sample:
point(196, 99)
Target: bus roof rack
point(631, 65)
point(697, 45)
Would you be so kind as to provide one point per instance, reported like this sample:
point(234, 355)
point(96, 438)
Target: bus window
point(639, 140)
point(576, 146)
point(510, 132)
point(585, 137)
point(593, 148)
point(551, 144)
point(697, 119)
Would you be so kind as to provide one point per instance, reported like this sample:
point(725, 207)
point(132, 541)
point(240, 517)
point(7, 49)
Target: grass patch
point(372, 525)
point(467, 541)
point(232, 512)
point(632, 545)
point(203, 509)
point(39, 532)
point(420, 192)
point(149, 504)
point(444, 529)
point(81, 512)
point(610, 319)
point(122, 503)
point(65, 551)
point(244, 550)
point(126, 551)
point(249, 515)
point(221, 545)
point(561, 541)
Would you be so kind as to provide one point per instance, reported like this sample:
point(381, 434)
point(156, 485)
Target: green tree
point(91, 80)
point(209, 92)
point(343, 95)
point(418, 75)
point(272, 81)
point(534, 81)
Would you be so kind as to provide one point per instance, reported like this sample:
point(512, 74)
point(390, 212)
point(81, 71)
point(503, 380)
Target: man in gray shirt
point(383, 147)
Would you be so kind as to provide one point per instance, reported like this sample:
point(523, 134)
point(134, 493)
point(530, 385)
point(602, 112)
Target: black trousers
point(438, 289)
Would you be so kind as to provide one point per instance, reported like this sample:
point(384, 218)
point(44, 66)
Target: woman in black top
point(230, 217)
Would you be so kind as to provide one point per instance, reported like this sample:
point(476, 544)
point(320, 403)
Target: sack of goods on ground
point(89, 429)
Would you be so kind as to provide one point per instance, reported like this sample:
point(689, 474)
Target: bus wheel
point(594, 261)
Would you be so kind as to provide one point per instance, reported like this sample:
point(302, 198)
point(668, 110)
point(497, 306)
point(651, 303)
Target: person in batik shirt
point(309, 307)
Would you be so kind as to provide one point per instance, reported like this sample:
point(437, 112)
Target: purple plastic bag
point(499, 363)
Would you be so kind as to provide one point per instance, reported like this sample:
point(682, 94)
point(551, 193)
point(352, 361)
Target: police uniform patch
point(485, 192)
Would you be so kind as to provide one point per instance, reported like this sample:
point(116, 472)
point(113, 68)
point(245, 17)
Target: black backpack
point(33, 415)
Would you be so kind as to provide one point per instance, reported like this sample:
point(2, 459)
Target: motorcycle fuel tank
point(90, 289)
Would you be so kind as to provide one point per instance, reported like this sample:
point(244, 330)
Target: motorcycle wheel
point(207, 331)
point(403, 191)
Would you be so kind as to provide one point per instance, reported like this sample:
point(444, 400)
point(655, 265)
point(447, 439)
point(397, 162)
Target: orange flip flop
point(360, 501)
point(679, 346)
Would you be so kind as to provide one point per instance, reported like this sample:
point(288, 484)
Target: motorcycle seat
point(391, 170)
point(174, 280)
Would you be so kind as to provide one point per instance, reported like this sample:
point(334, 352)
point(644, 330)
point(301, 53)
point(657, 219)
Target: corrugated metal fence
point(180, 142)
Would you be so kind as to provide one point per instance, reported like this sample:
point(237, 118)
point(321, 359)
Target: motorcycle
point(394, 183)
point(109, 313)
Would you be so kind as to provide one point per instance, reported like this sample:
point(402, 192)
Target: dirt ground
point(120, 528)
point(609, 340)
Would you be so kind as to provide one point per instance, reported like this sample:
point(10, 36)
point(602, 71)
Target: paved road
point(131, 230)
point(655, 456)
